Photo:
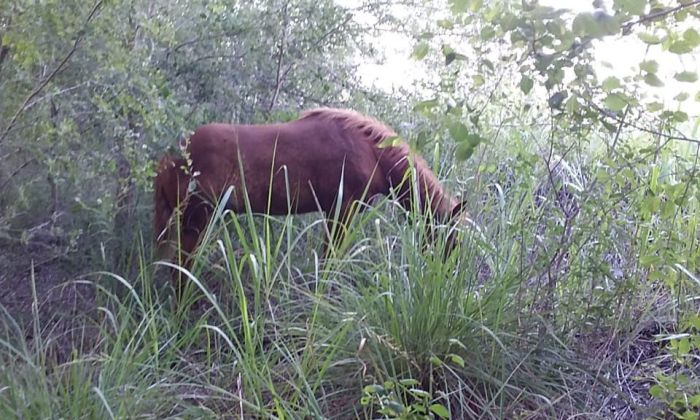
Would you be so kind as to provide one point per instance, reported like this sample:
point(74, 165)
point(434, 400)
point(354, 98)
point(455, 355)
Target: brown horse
point(326, 160)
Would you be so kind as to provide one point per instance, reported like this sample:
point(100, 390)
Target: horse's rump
point(170, 190)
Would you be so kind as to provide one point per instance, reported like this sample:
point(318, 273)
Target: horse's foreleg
point(193, 223)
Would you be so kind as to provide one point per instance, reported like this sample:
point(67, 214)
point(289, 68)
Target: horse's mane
point(352, 120)
point(394, 157)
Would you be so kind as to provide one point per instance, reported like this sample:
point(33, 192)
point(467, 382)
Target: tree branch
point(53, 74)
point(627, 27)
point(280, 74)
point(620, 120)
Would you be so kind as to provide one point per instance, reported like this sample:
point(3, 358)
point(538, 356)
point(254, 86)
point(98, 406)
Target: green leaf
point(633, 7)
point(683, 96)
point(458, 6)
point(457, 359)
point(681, 47)
point(611, 83)
point(686, 76)
point(697, 96)
point(475, 139)
point(689, 415)
point(373, 389)
point(544, 61)
point(649, 260)
point(526, 84)
point(510, 21)
point(488, 64)
point(656, 391)
point(650, 39)
point(419, 393)
point(557, 99)
point(487, 32)
point(610, 25)
point(680, 116)
point(555, 28)
point(440, 411)
point(478, 80)
point(449, 53)
point(585, 24)
point(684, 346)
point(458, 131)
point(420, 50)
point(649, 66)
point(694, 322)
point(555, 76)
point(395, 408)
point(615, 102)
point(652, 79)
point(655, 107)
point(692, 36)
point(434, 359)
point(445, 24)
point(425, 105)
point(450, 57)
point(464, 151)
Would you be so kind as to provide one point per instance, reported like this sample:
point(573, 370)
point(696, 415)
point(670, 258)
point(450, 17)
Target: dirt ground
point(60, 306)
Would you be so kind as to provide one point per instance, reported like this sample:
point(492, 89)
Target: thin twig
point(644, 129)
point(280, 74)
point(621, 124)
point(15, 172)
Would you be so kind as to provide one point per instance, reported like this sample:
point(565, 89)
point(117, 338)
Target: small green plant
point(679, 392)
point(401, 399)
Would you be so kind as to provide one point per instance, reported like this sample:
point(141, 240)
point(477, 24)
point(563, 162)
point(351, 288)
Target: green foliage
point(582, 186)
point(389, 400)
point(679, 391)
point(94, 92)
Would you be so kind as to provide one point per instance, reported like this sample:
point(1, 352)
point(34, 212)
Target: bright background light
point(617, 56)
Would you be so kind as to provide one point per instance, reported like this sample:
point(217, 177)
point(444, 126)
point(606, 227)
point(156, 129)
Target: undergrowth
point(552, 305)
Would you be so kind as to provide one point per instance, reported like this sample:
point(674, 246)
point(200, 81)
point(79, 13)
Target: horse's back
point(305, 161)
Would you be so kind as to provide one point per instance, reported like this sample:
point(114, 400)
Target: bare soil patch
point(58, 308)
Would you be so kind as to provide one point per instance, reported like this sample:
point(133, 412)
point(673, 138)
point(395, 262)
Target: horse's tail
point(170, 188)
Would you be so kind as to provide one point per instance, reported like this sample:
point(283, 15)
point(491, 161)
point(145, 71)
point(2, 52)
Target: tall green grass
point(386, 327)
